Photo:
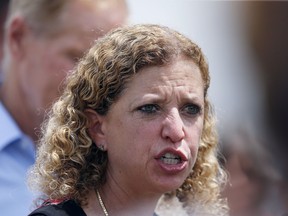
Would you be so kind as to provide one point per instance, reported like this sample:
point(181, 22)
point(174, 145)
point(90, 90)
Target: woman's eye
point(192, 109)
point(149, 108)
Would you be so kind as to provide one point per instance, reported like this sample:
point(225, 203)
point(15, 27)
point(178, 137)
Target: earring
point(101, 147)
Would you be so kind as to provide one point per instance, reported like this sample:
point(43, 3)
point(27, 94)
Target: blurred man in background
point(3, 13)
point(268, 35)
point(43, 41)
point(259, 183)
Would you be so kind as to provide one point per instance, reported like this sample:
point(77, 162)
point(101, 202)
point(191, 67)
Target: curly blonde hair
point(68, 164)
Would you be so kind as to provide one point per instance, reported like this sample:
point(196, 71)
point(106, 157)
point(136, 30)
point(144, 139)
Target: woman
point(133, 130)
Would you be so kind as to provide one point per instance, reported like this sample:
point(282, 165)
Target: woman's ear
point(95, 130)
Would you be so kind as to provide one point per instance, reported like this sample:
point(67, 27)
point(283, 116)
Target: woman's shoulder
point(65, 208)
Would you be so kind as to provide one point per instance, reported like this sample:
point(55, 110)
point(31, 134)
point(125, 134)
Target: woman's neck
point(120, 203)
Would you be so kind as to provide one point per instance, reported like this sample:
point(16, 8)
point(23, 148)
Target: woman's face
point(152, 132)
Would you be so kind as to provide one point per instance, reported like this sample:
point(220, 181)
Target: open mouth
point(171, 159)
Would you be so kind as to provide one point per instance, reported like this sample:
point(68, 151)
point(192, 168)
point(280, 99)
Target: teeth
point(170, 161)
point(170, 158)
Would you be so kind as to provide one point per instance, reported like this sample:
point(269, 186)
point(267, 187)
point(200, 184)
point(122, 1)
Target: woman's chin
point(169, 184)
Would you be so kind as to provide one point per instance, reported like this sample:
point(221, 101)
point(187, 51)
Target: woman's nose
point(173, 126)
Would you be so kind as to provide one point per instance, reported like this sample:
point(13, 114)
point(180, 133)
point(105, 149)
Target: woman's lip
point(172, 151)
point(172, 168)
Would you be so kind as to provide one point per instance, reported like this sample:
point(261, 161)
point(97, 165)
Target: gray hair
point(43, 16)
